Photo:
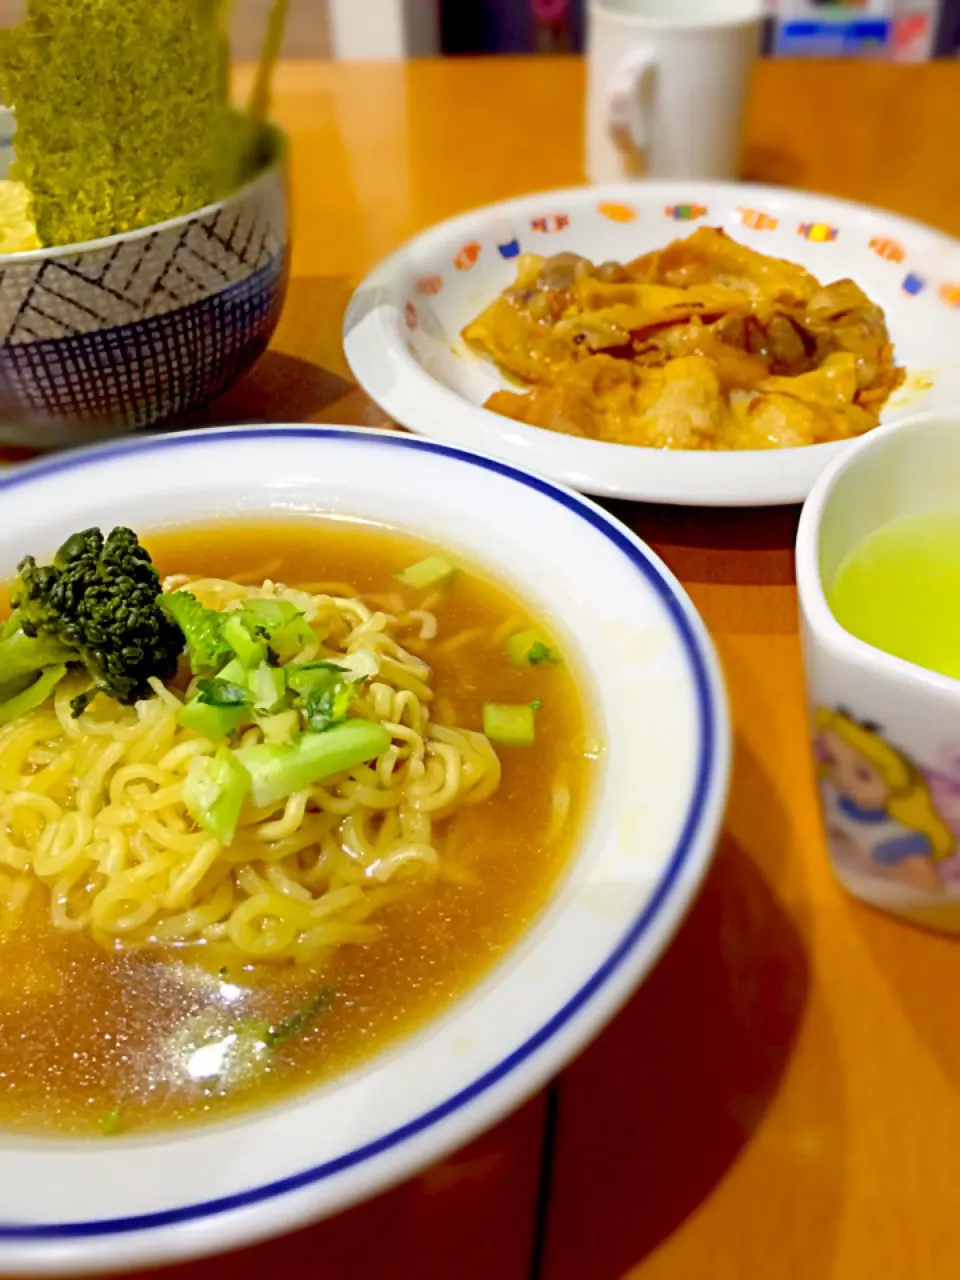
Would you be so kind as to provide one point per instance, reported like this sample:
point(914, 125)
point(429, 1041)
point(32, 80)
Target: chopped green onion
point(301, 1018)
point(235, 673)
point(283, 626)
point(253, 1040)
point(282, 727)
point(324, 695)
point(428, 573)
point(214, 720)
point(302, 677)
point(214, 792)
point(112, 1122)
point(278, 771)
point(512, 726)
point(530, 649)
point(213, 723)
point(270, 613)
point(222, 693)
point(541, 654)
point(239, 635)
point(269, 688)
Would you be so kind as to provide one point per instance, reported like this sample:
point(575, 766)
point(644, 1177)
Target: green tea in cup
point(899, 590)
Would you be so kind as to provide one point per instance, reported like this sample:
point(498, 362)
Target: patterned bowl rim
point(274, 168)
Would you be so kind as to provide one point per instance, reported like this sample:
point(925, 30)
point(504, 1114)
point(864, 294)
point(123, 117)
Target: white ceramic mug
point(886, 732)
point(667, 86)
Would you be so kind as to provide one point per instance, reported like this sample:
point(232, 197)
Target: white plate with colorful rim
point(402, 329)
point(648, 668)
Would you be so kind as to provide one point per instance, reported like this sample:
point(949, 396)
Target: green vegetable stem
point(428, 573)
point(513, 726)
point(301, 1019)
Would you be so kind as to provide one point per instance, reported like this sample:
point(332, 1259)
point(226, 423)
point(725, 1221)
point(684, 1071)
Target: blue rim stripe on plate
point(705, 773)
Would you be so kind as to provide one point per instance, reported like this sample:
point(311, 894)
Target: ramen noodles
point(255, 825)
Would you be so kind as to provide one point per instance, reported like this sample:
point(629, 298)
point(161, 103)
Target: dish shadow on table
point(279, 388)
point(706, 544)
point(655, 1113)
point(737, 565)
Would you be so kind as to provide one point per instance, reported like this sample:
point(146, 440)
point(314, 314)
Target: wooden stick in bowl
point(259, 106)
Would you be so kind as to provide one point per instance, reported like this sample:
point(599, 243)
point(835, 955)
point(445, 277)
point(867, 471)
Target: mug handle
point(630, 107)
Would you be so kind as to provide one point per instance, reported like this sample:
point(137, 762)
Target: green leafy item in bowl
point(123, 112)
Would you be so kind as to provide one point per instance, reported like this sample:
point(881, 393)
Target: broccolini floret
point(96, 607)
point(202, 629)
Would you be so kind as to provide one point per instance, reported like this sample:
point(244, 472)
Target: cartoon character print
point(943, 779)
point(878, 809)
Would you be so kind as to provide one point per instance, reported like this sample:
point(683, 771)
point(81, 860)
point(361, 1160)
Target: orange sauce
point(87, 1036)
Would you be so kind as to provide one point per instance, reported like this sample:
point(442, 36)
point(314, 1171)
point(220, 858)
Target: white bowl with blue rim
point(139, 329)
point(648, 667)
point(402, 333)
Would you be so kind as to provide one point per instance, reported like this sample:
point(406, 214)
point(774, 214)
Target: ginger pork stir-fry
point(705, 344)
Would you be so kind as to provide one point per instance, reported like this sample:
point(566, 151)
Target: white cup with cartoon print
point(886, 733)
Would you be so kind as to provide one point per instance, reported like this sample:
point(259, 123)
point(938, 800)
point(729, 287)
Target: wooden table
point(780, 1099)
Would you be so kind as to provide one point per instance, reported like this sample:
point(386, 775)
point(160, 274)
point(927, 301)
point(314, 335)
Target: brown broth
point(85, 1033)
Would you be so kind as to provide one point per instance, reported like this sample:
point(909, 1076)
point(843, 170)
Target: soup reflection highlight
point(355, 777)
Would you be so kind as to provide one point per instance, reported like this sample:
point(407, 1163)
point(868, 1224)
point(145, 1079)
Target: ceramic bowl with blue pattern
point(143, 328)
